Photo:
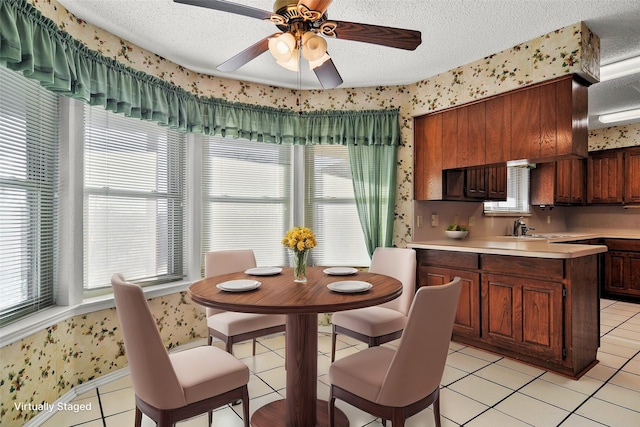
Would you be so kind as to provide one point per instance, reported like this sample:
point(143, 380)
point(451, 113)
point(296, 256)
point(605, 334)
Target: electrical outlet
point(419, 221)
point(456, 219)
point(435, 220)
point(548, 219)
point(472, 221)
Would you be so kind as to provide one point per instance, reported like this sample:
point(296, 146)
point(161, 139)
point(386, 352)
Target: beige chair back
point(152, 374)
point(399, 263)
point(224, 262)
point(423, 347)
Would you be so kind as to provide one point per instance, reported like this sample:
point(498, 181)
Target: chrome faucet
point(519, 226)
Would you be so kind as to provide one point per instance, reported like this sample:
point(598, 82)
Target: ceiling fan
point(302, 25)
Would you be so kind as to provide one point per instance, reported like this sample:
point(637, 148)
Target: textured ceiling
point(454, 32)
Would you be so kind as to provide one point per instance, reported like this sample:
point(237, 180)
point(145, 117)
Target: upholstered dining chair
point(174, 387)
point(232, 327)
point(382, 323)
point(397, 384)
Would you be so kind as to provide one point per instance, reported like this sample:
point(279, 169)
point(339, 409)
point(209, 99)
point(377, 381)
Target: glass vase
point(300, 266)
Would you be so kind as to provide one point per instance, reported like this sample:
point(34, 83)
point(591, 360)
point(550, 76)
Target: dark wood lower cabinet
point(538, 310)
point(523, 313)
point(467, 320)
point(621, 265)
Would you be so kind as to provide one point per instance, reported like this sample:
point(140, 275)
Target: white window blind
point(134, 200)
point(331, 208)
point(28, 182)
point(517, 194)
point(246, 197)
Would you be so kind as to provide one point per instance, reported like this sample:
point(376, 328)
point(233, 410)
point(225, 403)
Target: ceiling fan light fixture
point(282, 47)
point(314, 47)
point(292, 64)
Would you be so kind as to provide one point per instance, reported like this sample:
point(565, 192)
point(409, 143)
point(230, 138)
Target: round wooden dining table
point(301, 302)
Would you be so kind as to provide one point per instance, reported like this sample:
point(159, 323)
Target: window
point(517, 194)
point(249, 200)
point(246, 197)
point(331, 208)
point(134, 200)
point(28, 179)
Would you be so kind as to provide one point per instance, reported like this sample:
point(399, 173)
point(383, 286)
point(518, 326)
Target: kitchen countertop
point(538, 248)
point(543, 245)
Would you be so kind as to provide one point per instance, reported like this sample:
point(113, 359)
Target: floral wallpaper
point(46, 365)
point(614, 137)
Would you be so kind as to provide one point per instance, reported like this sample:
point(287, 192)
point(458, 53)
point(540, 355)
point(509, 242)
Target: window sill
point(42, 320)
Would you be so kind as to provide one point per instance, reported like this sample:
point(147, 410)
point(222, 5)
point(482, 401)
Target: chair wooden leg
point(228, 346)
point(138, 419)
point(210, 418)
point(436, 410)
point(210, 340)
point(332, 407)
point(333, 345)
point(254, 347)
point(245, 406)
point(398, 418)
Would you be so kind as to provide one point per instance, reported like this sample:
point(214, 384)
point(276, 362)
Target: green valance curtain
point(33, 45)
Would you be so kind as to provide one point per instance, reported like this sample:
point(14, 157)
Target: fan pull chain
point(299, 97)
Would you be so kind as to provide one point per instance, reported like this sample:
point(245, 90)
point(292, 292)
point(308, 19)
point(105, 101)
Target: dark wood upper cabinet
point(558, 183)
point(473, 151)
point(549, 121)
point(541, 123)
point(525, 124)
point(605, 177)
point(498, 130)
point(450, 139)
point(632, 175)
point(427, 154)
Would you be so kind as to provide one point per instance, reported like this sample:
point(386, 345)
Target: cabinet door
point(563, 182)
point(449, 139)
point(570, 185)
point(498, 129)
point(614, 272)
point(475, 144)
point(488, 183)
point(605, 177)
point(468, 314)
point(476, 183)
point(525, 124)
point(632, 175)
point(497, 183)
point(523, 314)
point(427, 141)
point(622, 273)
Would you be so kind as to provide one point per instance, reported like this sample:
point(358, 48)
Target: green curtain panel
point(373, 172)
point(33, 45)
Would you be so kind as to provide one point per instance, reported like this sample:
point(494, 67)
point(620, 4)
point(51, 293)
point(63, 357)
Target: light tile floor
point(479, 388)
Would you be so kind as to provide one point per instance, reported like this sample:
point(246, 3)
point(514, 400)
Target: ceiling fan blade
point(318, 5)
point(386, 36)
point(227, 6)
point(328, 75)
point(246, 55)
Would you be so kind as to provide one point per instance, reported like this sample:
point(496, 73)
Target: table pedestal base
point(274, 415)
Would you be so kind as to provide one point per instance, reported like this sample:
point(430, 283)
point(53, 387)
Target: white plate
point(238, 285)
point(263, 271)
point(349, 286)
point(340, 271)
